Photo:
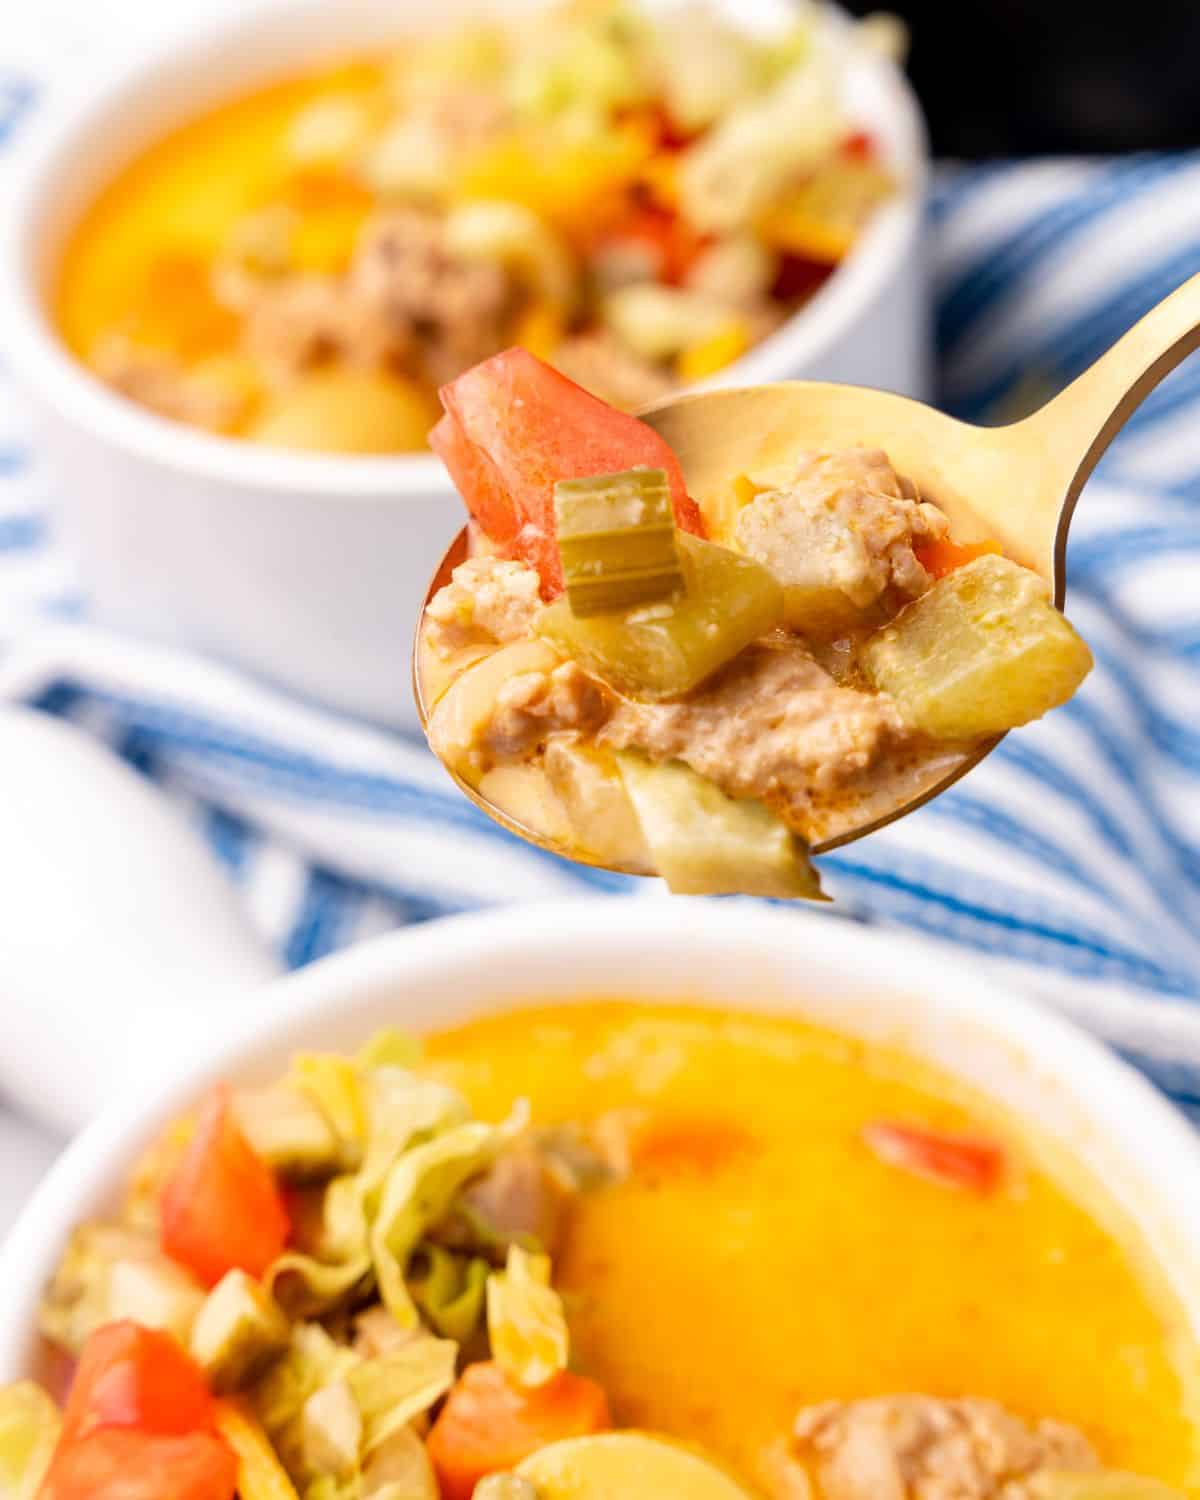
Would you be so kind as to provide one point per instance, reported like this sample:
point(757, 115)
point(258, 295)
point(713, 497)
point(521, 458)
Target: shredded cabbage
point(526, 1323)
point(747, 161)
point(312, 1360)
point(109, 1271)
point(396, 1387)
point(418, 1191)
point(309, 1288)
point(597, 62)
point(29, 1428)
point(398, 1470)
point(400, 1111)
point(451, 1291)
point(335, 1086)
point(390, 1048)
point(705, 66)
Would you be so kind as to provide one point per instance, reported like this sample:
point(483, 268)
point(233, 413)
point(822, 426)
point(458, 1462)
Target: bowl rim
point(901, 971)
point(54, 374)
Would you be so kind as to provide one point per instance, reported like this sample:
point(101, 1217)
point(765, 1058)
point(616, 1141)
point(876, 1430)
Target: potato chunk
point(983, 651)
point(347, 411)
point(611, 1464)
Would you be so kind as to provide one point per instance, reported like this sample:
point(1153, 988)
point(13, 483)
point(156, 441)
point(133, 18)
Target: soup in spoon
point(704, 687)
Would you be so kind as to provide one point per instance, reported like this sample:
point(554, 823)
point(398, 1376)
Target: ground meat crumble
point(922, 1448)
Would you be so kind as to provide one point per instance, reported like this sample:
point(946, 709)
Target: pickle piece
point(707, 844)
point(664, 650)
point(982, 651)
point(616, 540)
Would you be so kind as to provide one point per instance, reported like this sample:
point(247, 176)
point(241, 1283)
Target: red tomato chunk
point(962, 1161)
point(516, 427)
point(221, 1208)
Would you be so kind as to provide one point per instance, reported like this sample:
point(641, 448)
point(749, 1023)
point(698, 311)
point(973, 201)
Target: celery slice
point(707, 844)
point(664, 650)
point(616, 539)
point(982, 651)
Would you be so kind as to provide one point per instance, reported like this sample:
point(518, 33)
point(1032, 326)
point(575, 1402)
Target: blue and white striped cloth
point(1070, 859)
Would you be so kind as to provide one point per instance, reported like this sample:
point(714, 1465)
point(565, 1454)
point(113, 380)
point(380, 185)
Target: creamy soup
point(608, 1250)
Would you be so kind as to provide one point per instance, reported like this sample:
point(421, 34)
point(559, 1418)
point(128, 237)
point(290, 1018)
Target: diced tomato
point(667, 240)
point(702, 1145)
point(121, 1464)
point(962, 1161)
point(221, 1207)
point(860, 146)
point(798, 276)
point(531, 427)
point(489, 1424)
point(130, 1376)
point(476, 480)
point(942, 556)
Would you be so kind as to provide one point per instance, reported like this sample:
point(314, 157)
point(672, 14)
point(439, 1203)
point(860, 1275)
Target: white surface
point(123, 945)
point(310, 571)
point(1032, 1062)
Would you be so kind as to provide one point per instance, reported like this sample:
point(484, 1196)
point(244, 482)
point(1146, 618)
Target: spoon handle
point(1076, 427)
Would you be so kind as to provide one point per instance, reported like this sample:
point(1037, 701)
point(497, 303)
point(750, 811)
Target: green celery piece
point(704, 843)
point(664, 650)
point(616, 539)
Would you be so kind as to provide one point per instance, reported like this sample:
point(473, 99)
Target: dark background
point(1022, 77)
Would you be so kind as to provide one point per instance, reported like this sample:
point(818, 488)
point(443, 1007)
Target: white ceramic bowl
point(873, 985)
point(309, 570)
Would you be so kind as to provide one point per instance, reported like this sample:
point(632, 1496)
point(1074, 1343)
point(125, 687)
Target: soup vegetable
point(639, 198)
point(702, 690)
point(702, 1257)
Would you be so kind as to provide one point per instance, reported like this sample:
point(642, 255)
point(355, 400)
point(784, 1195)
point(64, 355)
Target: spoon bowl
point(1016, 485)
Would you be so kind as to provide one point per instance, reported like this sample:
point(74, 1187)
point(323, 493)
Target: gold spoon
point(1017, 485)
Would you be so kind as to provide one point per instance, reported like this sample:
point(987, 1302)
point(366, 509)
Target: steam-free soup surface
point(760, 1258)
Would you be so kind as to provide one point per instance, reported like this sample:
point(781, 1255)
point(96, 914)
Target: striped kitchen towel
point(1070, 859)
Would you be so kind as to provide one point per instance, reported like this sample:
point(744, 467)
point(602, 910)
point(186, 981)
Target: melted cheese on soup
point(760, 1258)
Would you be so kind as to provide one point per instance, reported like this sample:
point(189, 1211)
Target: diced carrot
point(962, 1161)
point(941, 556)
point(489, 1424)
point(221, 1207)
